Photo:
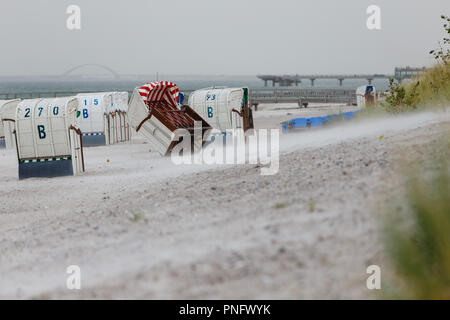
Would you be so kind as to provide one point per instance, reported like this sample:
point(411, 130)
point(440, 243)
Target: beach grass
point(418, 240)
point(430, 90)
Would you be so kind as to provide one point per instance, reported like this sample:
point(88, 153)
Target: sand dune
point(141, 227)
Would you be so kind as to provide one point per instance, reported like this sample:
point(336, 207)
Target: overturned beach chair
point(154, 112)
point(48, 143)
point(7, 126)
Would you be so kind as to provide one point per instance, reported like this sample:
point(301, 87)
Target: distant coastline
point(34, 84)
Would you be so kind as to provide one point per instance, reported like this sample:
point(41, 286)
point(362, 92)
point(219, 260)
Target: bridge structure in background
point(408, 73)
point(100, 66)
point(289, 80)
point(302, 97)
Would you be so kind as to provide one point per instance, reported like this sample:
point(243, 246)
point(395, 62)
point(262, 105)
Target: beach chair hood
point(158, 91)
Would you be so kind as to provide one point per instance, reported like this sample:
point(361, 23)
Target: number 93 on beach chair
point(224, 108)
point(48, 143)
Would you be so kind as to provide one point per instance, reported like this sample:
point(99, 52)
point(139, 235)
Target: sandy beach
point(141, 227)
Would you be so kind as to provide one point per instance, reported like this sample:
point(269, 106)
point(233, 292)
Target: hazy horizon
point(212, 38)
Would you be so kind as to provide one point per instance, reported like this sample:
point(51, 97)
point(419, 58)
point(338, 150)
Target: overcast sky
point(218, 37)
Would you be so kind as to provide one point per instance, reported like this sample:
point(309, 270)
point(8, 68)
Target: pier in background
point(290, 80)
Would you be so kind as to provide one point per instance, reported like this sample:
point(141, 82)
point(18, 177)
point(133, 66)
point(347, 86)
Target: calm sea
point(49, 85)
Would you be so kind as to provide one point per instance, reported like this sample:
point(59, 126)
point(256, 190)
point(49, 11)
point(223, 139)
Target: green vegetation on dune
point(431, 89)
point(417, 232)
point(418, 242)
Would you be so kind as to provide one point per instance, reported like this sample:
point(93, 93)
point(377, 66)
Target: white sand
point(141, 227)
